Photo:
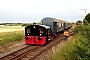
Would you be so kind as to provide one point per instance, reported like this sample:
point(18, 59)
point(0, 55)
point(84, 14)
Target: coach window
point(61, 24)
point(54, 23)
point(57, 24)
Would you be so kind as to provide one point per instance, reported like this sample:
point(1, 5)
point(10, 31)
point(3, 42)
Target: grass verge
point(78, 48)
point(67, 51)
point(10, 37)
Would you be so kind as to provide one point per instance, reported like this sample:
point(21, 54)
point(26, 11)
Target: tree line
point(19, 24)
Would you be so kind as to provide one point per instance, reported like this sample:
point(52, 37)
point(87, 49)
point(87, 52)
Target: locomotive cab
point(36, 34)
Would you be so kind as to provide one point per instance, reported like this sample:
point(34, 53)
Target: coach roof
point(53, 19)
point(57, 20)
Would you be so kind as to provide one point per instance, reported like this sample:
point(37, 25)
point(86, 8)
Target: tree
point(79, 22)
point(87, 17)
point(34, 23)
point(85, 22)
point(26, 24)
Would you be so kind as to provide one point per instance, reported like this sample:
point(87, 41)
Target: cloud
point(35, 10)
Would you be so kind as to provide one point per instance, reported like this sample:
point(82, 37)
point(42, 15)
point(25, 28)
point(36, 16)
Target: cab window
point(28, 30)
point(41, 31)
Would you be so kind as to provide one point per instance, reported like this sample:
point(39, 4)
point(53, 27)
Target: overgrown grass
point(10, 37)
point(66, 52)
point(78, 48)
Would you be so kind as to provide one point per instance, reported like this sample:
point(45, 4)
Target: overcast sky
point(29, 11)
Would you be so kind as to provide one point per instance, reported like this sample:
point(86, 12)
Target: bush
point(82, 50)
point(83, 45)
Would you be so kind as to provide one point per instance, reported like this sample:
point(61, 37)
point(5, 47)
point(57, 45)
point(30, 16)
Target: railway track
point(31, 52)
point(19, 53)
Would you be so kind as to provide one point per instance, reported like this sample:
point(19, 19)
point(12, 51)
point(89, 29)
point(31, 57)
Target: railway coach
point(56, 24)
point(42, 34)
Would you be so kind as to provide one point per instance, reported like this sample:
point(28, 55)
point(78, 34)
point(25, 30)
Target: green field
point(10, 28)
point(9, 34)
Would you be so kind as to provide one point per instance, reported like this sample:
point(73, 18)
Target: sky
point(29, 11)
